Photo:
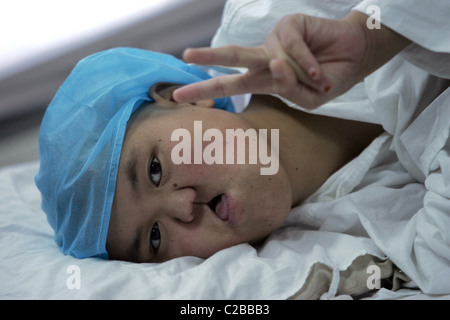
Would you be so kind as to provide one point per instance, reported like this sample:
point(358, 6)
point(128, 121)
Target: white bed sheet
point(32, 267)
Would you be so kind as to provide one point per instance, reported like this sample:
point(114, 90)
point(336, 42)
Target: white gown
point(397, 192)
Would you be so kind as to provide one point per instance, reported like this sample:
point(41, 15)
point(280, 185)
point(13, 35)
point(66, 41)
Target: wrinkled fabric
point(397, 191)
point(81, 136)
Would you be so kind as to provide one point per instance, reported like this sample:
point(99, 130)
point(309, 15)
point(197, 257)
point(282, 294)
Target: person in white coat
point(384, 62)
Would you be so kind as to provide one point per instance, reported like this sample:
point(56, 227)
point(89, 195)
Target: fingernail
point(313, 73)
point(326, 87)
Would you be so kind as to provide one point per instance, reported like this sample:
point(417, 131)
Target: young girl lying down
point(129, 173)
point(111, 179)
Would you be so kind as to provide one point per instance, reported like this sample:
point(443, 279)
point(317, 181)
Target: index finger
point(218, 87)
point(225, 86)
point(254, 58)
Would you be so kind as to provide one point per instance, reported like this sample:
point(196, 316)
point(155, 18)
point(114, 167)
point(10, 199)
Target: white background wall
point(43, 40)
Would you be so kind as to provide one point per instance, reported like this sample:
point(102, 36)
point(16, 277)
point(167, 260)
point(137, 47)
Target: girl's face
point(164, 210)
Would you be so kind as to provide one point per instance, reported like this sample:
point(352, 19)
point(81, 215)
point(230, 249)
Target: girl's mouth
point(223, 206)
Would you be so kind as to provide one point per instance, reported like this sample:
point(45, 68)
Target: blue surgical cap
point(81, 137)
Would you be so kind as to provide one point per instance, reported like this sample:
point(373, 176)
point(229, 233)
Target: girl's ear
point(207, 103)
point(163, 93)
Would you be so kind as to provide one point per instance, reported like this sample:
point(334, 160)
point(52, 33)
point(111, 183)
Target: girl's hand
point(305, 59)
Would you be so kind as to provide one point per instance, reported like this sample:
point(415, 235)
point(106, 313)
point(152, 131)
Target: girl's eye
point(155, 171)
point(155, 238)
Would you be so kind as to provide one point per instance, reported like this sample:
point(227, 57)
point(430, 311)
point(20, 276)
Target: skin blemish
point(175, 185)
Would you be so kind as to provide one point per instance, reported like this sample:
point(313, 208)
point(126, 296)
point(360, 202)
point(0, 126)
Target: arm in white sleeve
point(425, 23)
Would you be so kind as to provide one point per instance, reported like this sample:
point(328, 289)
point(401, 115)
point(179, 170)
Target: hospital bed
point(32, 267)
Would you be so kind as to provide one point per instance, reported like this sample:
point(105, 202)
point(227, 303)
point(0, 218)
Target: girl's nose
point(181, 204)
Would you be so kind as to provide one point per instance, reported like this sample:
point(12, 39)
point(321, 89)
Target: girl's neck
point(311, 147)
